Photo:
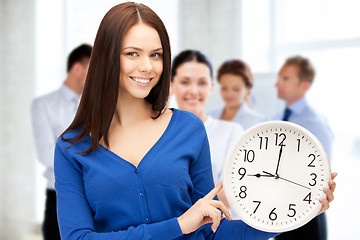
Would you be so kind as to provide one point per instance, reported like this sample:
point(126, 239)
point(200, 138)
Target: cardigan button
point(141, 194)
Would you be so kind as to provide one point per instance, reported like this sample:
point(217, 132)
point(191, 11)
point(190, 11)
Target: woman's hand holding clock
point(205, 210)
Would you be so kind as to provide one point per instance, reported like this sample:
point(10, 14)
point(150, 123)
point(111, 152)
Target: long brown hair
point(99, 98)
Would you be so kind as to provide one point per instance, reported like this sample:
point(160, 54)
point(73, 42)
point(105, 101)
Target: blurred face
point(192, 86)
point(77, 74)
point(141, 61)
point(233, 90)
point(289, 86)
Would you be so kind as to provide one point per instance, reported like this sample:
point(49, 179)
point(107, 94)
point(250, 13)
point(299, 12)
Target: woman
point(236, 81)
point(127, 168)
point(191, 83)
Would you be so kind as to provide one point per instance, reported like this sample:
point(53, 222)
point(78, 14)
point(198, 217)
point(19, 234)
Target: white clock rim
point(227, 191)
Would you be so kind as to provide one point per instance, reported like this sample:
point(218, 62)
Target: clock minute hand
point(277, 177)
point(278, 163)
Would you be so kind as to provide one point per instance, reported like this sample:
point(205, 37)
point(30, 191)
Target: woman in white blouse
point(191, 83)
point(236, 81)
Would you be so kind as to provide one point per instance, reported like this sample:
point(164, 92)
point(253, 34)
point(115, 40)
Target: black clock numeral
point(249, 155)
point(308, 198)
point(242, 192)
point(292, 209)
point(278, 138)
point(313, 159)
point(298, 144)
point(314, 179)
point(266, 142)
point(242, 172)
point(258, 204)
point(273, 215)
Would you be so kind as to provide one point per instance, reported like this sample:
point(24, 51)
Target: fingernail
point(326, 189)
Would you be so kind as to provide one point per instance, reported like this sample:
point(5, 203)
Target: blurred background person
point(51, 115)
point(294, 80)
point(236, 80)
point(191, 83)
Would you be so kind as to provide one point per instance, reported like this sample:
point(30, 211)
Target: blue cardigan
point(102, 196)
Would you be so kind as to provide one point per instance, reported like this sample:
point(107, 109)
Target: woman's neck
point(131, 110)
point(230, 112)
point(202, 116)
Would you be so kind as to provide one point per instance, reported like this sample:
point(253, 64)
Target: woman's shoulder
point(65, 141)
point(187, 124)
point(186, 117)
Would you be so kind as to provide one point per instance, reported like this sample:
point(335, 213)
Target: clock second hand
point(277, 176)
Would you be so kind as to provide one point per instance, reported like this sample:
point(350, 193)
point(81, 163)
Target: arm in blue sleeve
point(200, 171)
point(76, 217)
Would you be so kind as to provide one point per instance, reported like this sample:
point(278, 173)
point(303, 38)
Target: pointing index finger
point(214, 191)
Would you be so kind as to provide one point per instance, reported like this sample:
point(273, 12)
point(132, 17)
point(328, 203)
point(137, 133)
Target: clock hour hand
point(258, 175)
point(278, 177)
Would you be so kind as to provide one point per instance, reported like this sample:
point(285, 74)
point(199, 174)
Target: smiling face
point(141, 61)
point(233, 90)
point(192, 86)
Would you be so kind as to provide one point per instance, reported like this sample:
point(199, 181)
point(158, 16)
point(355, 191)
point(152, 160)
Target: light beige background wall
point(17, 78)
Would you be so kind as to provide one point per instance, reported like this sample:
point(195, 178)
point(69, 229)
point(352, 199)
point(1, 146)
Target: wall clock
point(274, 175)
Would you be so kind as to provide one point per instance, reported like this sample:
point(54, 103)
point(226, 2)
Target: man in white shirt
point(294, 80)
point(51, 115)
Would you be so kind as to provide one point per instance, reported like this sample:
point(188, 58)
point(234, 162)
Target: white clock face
point(274, 176)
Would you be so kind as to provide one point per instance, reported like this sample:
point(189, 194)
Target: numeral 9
point(242, 172)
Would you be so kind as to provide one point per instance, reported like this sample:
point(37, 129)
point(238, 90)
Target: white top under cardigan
point(221, 135)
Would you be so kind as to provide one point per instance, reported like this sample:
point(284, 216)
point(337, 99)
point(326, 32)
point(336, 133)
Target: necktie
point(287, 114)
